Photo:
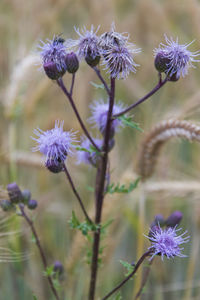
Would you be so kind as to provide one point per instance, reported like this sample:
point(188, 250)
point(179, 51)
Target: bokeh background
point(28, 100)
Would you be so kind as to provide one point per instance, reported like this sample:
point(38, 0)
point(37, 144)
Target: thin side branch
point(68, 95)
point(102, 80)
point(41, 251)
point(153, 91)
point(76, 193)
point(72, 84)
point(140, 261)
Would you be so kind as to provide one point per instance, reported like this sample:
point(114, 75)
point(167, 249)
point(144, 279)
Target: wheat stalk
point(158, 136)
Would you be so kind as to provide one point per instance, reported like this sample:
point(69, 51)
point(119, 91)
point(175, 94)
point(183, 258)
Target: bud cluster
point(16, 197)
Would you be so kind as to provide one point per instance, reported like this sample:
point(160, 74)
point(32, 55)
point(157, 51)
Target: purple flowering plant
point(116, 53)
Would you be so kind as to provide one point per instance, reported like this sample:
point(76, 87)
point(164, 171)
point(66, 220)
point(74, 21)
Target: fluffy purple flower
point(55, 144)
point(87, 157)
point(53, 54)
point(174, 58)
point(99, 111)
point(113, 38)
point(87, 44)
point(166, 242)
point(117, 53)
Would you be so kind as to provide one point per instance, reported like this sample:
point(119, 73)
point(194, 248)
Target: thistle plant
point(117, 55)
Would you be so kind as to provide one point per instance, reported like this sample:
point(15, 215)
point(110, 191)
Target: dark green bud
point(92, 62)
point(54, 166)
point(173, 78)
point(161, 62)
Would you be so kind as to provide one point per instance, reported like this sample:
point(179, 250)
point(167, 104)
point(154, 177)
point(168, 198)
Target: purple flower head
point(112, 38)
point(166, 242)
point(55, 144)
point(174, 58)
point(99, 111)
point(117, 53)
point(53, 54)
point(85, 156)
point(119, 61)
point(87, 44)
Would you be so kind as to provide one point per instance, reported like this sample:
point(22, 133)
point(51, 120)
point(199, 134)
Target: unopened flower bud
point(158, 221)
point(58, 267)
point(26, 194)
point(111, 144)
point(6, 205)
point(72, 63)
point(92, 61)
point(52, 71)
point(174, 219)
point(175, 77)
point(161, 62)
point(32, 204)
point(14, 193)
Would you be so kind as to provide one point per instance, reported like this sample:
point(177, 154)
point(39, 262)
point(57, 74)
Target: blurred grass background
point(29, 100)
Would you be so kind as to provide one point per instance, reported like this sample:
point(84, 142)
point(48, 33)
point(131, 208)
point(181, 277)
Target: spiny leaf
point(84, 227)
point(91, 150)
point(118, 297)
point(82, 149)
point(49, 271)
point(112, 188)
point(127, 266)
point(127, 121)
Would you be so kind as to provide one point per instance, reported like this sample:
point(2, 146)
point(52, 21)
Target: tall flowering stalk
point(116, 53)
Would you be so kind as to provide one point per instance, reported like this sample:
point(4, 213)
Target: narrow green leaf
point(97, 86)
point(118, 297)
point(49, 271)
point(127, 121)
point(112, 188)
point(127, 266)
point(82, 149)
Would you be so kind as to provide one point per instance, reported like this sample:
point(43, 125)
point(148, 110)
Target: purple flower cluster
point(166, 242)
point(55, 144)
point(117, 53)
point(87, 44)
point(86, 155)
point(99, 111)
point(174, 58)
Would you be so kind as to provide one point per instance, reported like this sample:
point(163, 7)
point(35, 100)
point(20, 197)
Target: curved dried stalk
point(158, 136)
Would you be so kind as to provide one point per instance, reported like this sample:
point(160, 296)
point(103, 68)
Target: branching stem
point(102, 80)
point(41, 251)
point(69, 96)
point(99, 193)
point(140, 261)
point(153, 91)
